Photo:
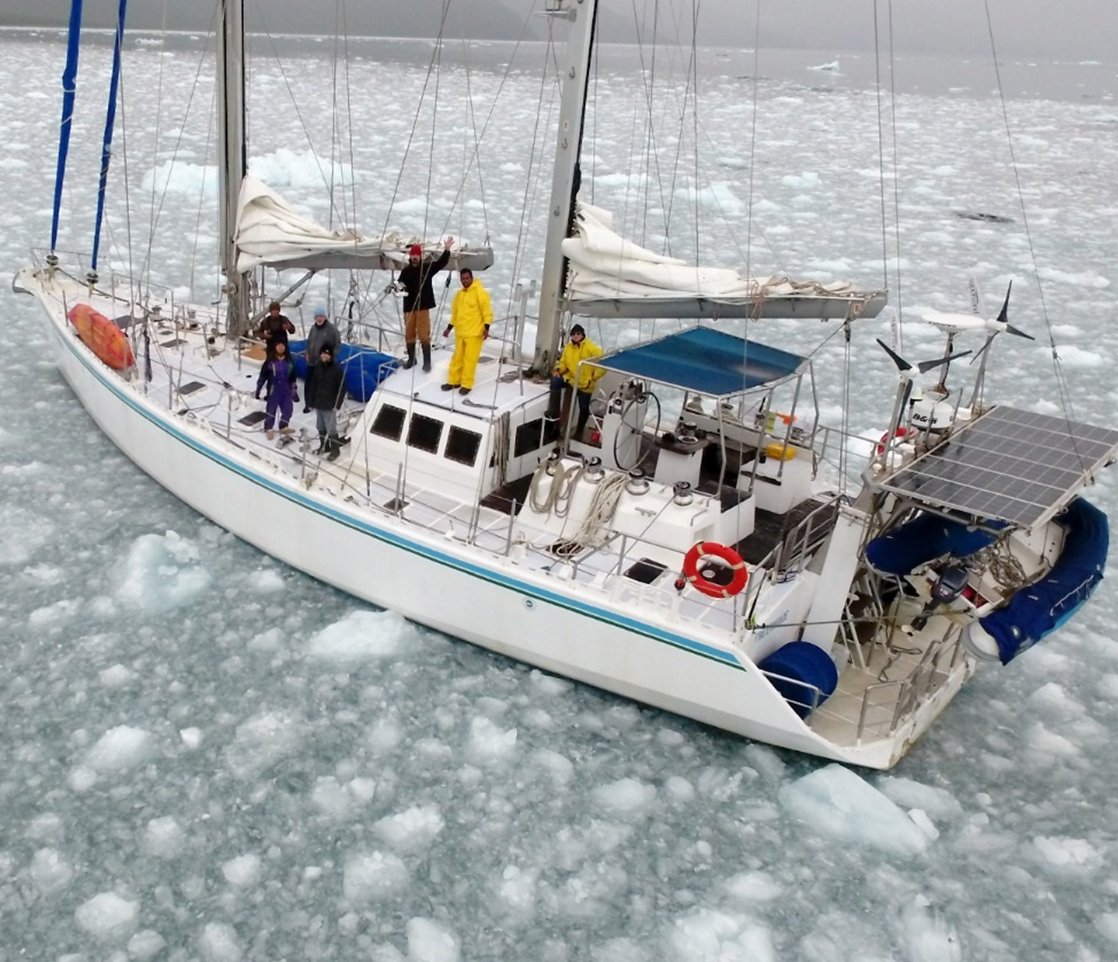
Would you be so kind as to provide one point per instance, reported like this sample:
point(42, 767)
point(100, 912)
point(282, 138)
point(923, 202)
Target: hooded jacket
point(472, 310)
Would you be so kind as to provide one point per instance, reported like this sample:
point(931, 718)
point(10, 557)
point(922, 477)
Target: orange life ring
point(102, 336)
point(899, 433)
point(714, 550)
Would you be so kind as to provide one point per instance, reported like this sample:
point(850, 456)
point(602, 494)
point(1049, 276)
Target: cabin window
point(389, 422)
point(424, 433)
point(462, 445)
point(528, 438)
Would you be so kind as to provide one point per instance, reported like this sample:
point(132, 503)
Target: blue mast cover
point(107, 142)
point(69, 87)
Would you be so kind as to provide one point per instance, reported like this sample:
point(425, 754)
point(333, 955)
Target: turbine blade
point(924, 366)
point(902, 364)
point(1003, 314)
point(1010, 329)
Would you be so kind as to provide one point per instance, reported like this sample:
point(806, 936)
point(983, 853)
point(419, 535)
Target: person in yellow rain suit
point(570, 373)
point(470, 316)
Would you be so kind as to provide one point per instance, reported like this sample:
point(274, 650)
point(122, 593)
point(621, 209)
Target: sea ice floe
point(707, 935)
point(163, 837)
point(1067, 856)
point(360, 636)
point(218, 942)
point(372, 876)
point(261, 741)
point(161, 572)
point(108, 917)
point(490, 743)
point(51, 872)
point(243, 871)
point(431, 941)
point(412, 830)
point(626, 795)
point(835, 802)
point(119, 749)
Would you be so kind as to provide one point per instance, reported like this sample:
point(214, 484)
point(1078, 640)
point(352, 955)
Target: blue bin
point(364, 368)
point(802, 667)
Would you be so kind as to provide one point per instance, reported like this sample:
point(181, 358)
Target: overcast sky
point(1040, 29)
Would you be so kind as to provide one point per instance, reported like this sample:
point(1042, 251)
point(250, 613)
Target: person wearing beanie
point(322, 333)
point(470, 317)
point(325, 391)
point(572, 374)
point(274, 327)
point(419, 298)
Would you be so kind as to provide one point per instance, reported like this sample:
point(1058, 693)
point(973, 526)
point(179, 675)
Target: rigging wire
point(1061, 381)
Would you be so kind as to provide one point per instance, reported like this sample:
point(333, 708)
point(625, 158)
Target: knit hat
point(326, 349)
point(320, 311)
point(415, 251)
point(578, 329)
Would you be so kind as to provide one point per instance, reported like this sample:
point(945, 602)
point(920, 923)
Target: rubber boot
point(333, 448)
point(426, 356)
point(321, 445)
point(410, 362)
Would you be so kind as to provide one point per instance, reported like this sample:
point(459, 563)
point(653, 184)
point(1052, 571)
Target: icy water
point(206, 755)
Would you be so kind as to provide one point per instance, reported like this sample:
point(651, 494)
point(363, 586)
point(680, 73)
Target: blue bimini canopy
point(705, 361)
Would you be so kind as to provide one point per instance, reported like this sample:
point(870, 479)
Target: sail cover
point(613, 277)
point(271, 233)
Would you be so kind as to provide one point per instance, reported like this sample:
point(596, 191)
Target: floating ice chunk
point(116, 676)
point(50, 871)
point(929, 937)
point(548, 684)
point(412, 830)
point(163, 837)
point(835, 802)
point(831, 66)
point(270, 640)
point(430, 941)
point(560, 768)
point(146, 944)
point(81, 778)
point(1068, 856)
point(289, 168)
point(489, 742)
point(161, 572)
point(360, 636)
point(180, 177)
point(108, 917)
point(243, 871)
point(1046, 747)
point(56, 613)
point(753, 887)
point(705, 935)
point(517, 889)
point(22, 534)
point(679, 789)
point(46, 828)
point(937, 802)
point(1107, 924)
point(1088, 279)
point(620, 950)
point(371, 876)
point(191, 738)
point(262, 741)
point(119, 749)
point(266, 581)
point(218, 943)
point(625, 795)
point(807, 180)
point(924, 823)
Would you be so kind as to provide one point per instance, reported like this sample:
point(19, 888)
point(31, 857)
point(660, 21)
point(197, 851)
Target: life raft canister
point(728, 556)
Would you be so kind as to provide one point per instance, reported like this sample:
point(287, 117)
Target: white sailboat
point(707, 563)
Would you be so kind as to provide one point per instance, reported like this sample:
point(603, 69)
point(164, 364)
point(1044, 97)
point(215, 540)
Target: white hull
point(485, 598)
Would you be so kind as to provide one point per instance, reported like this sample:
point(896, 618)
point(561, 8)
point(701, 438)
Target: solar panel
point(1009, 465)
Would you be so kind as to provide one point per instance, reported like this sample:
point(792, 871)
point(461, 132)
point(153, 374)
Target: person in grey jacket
point(322, 334)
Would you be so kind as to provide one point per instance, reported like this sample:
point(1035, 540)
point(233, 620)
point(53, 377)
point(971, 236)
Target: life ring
point(899, 433)
point(729, 556)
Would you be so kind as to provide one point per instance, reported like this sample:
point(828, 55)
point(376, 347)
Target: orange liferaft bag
point(102, 337)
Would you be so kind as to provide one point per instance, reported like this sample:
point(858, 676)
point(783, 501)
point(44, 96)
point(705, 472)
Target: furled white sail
point(271, 233)
point(613, 277)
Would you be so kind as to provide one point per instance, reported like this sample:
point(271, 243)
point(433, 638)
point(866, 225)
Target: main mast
point(583, 15)
point(233, 162)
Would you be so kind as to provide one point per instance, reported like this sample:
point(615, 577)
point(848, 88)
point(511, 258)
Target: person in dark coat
point(277, 373)
point(325, 391)
point(419, 298)
point(321, 333)
point(275, 326)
